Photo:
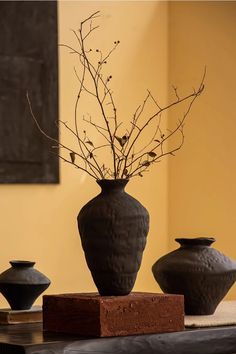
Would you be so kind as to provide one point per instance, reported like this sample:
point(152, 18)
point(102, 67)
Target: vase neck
point(22, 264)
point(197, 241)
point(112, 185)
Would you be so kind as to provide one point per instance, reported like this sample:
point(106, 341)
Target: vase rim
point(21, 263)
point(197, 241)
point(112, 182)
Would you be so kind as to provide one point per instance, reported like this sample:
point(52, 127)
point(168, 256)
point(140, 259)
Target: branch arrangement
point(128, 157)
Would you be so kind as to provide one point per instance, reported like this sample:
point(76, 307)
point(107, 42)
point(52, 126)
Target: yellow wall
point(191, 195)
point(38, 222)
point(202, 176)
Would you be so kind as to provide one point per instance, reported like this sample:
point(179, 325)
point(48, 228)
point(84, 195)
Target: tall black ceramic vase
point(199, 272)
point(113, 228)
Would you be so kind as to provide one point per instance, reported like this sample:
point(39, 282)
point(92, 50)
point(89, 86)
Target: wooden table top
point(30, 339)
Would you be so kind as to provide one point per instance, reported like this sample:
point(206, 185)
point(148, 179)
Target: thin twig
point(127, 160)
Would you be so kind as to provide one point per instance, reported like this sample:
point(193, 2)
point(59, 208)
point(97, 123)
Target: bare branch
point(77, 166)
point(82, 84)
point(128, 157)
point(56, 141)
point(93, 16)
point(154, 100)
point(192, 98)
point(176, 92)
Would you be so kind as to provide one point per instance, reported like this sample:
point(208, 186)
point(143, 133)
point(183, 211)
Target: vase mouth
point(196, 241)
point(21, 263)
point(113, 180)
point(112, 183)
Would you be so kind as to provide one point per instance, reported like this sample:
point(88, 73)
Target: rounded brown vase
point(22, 284)
point(113, 228)
point(199, 272)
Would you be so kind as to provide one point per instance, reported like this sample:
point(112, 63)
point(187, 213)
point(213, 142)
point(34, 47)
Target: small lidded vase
point(22, 284)
point(199, 272)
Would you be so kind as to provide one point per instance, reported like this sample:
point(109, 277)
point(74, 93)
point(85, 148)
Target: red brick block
point(105, 316)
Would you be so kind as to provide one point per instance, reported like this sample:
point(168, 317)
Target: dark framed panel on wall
point(28, 62)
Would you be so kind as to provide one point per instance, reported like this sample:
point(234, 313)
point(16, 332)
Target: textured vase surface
point(199, 272)
point(113, 228)
point(22, 284)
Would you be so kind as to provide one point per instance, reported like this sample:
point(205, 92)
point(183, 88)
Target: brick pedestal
point(105, 316)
